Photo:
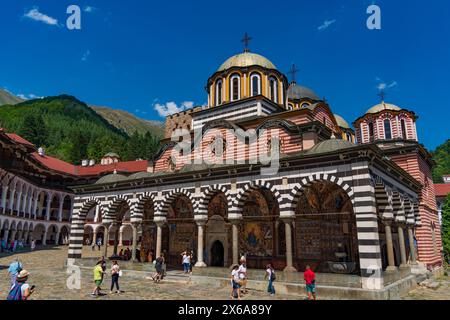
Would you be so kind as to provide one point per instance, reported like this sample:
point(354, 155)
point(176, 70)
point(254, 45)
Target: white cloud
point(35, 15)
point(326, 24)
point(169, 108)
point(89, 9)
point(85, 56)
point(383, 85)
point(28, 96)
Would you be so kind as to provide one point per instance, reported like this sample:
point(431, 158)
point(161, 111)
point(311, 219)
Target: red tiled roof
point(125, 167)
point(19, 139)
point(442, 190)
point(54, 164)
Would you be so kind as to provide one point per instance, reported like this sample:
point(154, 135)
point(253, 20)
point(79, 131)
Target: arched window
point(290, 107)
point(255, 85)
point(349, 137)
point(387, 129)
point(371, 132)
point(219, 93)
point(235, 87)
point(273, 89)
point(403, 125)
point(305, 105)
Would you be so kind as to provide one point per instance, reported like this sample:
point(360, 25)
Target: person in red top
point(310, 281)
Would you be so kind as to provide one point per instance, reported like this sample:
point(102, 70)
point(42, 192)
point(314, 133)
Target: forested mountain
point(72, 131)
point(442, 157)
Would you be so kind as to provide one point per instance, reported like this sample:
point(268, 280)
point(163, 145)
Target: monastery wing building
point(351, 202)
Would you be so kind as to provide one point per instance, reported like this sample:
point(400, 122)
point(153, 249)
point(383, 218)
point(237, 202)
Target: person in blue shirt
point(14, 270)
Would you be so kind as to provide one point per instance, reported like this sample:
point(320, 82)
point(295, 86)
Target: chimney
point(84, 163)
point(91, 163)
point(41, 152)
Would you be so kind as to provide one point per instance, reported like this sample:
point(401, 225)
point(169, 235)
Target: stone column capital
point(201, 223)
point(387, 222)
point(289, 220)
point(236, 222)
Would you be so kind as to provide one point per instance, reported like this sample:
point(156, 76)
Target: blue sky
point(136, 54)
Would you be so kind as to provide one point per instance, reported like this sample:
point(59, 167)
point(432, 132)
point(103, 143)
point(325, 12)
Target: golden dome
point(383, 106)
point(341, 122)
point(246, 59)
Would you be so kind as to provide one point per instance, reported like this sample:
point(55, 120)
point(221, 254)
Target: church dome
point(246, 59)
point(341, 122)
point(111, 178)
point(383, 106)
point(330, 145)
point(296, 92)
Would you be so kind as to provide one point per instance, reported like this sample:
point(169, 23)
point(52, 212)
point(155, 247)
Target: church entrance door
point(217, 254)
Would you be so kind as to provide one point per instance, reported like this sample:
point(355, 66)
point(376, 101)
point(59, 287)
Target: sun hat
point(23, 274)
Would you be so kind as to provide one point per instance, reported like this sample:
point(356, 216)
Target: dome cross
point(293, 73)
point(246, 40)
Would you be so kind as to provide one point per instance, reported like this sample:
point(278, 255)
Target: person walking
point(235, 287)
point(158, 276)
point(115, 274)
point(14, 269)
point(21, 290)
point(310, 281)
point(270, 274)
point(98, 278)
point(186, 261)
point(243, 275)
point(33, 245)
point(99, 243)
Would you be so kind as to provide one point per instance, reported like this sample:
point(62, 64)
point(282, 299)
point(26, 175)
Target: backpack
point(16, 293)
point(273, 277)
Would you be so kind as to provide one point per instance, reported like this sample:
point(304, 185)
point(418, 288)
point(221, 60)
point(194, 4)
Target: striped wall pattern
point(163, 206)
point(138, 209)
point(209, 193)
point(385, 210)
point(409, 212)
point(397, 206)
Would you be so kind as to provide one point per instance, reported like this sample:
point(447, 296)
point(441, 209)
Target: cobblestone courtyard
point(48, 273)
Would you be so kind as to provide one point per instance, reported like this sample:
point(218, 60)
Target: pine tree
point(34, 129)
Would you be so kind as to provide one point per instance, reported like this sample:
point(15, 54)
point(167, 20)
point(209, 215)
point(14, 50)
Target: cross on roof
point(382, 95)
point(293, 72)
point(246, 41)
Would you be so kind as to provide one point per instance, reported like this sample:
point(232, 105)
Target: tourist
point(115, 274)
point(21, 290)
point(235, 287)
point(33, 245)
point(121, 256)
point(192, 262)
point(14, 269)
point(310, 281)
point(243, 275)
point(159, 275)
point(150, 256)
point(270, 274)
point(127, 254)
point(3, 245)
point(186, 261)
point(98, 278)
point(93, 244)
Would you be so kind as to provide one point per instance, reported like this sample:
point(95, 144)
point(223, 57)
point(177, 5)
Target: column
point(159, 226)
point(11, 200)
point(135, 241)
point(60, 210)
point(94, 238)
point(200, 263)
point(6, 235)
point(44, 240)
point(4, 194)
point(24, 205)
point(235, 226)
point(288, 232)
point(49, 206)
point(390, 247)
point(30, 205)
point(401, 242)
point(19, 201)
point(57, 238)
point(13, 235)
point(106, 240)
point(412, 249)
point(116, 238)
point(121, 237)
point(97, 213)
point(35, 207)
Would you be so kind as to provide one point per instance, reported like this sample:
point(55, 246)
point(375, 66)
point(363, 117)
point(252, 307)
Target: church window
point(371, 132)
point(403, 125)
point(387, 129)
point(305, 105)
point(255, 85)
point(273, 89)
point(349, 137)
point(219, 93)
point(235, 88)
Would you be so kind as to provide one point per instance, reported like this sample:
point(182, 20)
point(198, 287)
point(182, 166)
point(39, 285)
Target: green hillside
point(8, 98)
point(72, 131)
point(129, 123)
point(442, 157)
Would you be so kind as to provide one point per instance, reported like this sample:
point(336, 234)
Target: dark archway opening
point(217, 254)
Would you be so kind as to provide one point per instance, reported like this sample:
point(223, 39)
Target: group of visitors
point(187, 261)
point(13, 246)
point(20, 289)
point(239, 280)
point(125, 255)
point(99, 277)
point(160, 266)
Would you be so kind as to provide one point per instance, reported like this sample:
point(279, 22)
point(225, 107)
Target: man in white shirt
point(243, 275)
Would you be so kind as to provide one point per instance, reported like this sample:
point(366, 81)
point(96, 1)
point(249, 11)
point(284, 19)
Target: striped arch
point(409, 212)
point(242, 196)
point(384, 203)
point(137, 211)
point(209, 193)
point(82, 212)
point(298, 189)
point(111, 210)
point(163, 207)
point(397, 206)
